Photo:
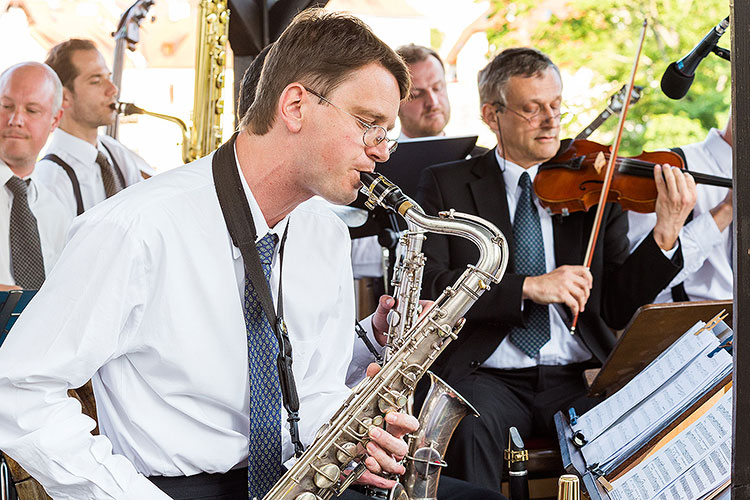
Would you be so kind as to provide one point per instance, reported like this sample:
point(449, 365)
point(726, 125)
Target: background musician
point(33, 223)
point(515, 360)
point(706, 239)
point(100, 165)
point(427, 111)
point(151, 299)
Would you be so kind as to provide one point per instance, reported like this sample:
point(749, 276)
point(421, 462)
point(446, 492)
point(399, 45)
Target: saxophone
point(205, 132)
point(443, 408)
point(334, 459)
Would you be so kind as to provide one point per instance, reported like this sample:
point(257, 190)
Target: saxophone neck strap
point(239, 221)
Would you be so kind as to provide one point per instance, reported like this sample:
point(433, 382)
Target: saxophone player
point(448, 488)
point(154, 302)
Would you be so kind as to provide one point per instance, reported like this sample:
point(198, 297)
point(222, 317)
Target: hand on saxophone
point(387, 447)
point(380, 317)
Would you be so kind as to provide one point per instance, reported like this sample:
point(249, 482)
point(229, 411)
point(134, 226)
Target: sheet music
point(638, 426)
point(693, 464)
point(659, 371)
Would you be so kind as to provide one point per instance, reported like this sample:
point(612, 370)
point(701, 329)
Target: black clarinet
point(515, 458)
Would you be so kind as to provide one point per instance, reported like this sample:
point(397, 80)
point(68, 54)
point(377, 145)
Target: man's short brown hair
point(413, 53)
point(60, 59)
point(320, 50)
point(516, 61)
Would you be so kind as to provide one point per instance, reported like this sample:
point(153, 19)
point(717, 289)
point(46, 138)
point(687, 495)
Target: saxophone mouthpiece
point(126, 108)
point(381, 191)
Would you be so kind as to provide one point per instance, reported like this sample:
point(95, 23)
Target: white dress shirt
point(51, 218)
point(147, 300)
point(81, 156)
point(707, 252)
point(562, 348)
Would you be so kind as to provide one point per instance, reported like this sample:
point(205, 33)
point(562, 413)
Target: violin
point(572, 180)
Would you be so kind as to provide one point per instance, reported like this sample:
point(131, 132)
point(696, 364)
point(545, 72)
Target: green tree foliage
point(600, 38)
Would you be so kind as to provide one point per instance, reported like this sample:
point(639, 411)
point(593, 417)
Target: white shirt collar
point(405, 138)
point(261, 226)
point(76, 147)
point(6, 173)
point(512, 172)
point(720, 151)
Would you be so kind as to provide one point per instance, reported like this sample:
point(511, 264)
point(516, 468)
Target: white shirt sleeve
point(362, 357)
point(62, 340)
point(698, 238)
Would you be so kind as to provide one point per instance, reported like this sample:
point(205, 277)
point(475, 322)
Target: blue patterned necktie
point(528, 255)
point(264, 456)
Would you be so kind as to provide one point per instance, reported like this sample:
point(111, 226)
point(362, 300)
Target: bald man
point(33, 223)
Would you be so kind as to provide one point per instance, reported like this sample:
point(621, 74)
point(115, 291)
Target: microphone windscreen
point(674, 83)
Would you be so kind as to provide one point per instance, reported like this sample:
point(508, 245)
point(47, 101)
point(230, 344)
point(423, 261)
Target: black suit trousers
point(526, 399)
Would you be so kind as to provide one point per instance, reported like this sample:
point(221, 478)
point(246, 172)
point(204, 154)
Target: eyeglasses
point(535, 118)
point(373, 135)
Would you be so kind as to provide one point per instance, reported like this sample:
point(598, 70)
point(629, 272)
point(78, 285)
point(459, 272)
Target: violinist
point(706, 239)
point(515, 359)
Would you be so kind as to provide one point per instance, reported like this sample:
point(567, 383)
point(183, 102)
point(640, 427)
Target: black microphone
point(679, 75)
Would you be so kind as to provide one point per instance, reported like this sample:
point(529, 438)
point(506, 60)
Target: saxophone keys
point(346, 452)
point(307, 496)
point(326, 476)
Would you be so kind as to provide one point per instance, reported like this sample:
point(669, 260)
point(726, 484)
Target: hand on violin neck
point(676, 198)
point(723, 212)
point(569, 285)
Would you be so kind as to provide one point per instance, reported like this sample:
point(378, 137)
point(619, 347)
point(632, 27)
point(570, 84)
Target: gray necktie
point(111, 181)
point(528, 255)
point(26, 259)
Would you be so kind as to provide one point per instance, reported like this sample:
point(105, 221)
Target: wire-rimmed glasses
point(535, 118)
point(373, 135)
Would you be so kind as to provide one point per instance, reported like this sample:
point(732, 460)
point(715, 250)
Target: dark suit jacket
point(622, 282)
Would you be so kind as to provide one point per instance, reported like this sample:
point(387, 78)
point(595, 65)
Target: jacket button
point(475, 364)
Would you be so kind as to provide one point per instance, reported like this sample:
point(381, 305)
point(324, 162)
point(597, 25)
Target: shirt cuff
point(670, 253)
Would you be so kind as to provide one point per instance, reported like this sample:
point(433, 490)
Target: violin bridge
point(600, 162)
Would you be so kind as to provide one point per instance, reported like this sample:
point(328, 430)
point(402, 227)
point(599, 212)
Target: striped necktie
point(264, 466)
point(26, 258)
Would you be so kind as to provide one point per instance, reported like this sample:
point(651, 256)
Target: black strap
point(362, 334)
point(678, 291)
point(114, 163)
point(239, 221)
point(681, 153)
point(73, 180)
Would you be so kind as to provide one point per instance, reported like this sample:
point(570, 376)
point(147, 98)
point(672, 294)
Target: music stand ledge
point(653, 328)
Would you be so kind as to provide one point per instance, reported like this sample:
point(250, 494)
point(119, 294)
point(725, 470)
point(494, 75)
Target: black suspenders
point(74, 178)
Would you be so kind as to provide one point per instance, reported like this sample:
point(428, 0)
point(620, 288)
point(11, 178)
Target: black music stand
point(12, 303)
point(404, 169)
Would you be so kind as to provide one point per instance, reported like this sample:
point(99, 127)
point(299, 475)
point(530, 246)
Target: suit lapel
point(488, 191)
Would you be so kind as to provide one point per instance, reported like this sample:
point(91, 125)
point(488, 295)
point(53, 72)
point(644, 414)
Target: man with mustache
point(82, 167)
point(33, 222)
point(515, 359)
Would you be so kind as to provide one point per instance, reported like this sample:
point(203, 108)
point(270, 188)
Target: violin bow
point(610, 167)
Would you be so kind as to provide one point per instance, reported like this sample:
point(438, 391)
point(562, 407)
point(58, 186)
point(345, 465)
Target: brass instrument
point(334, 459)
point(210, 60)
point(443, 408)
point(441, 413)
point(205, 132)
point(568, 488)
